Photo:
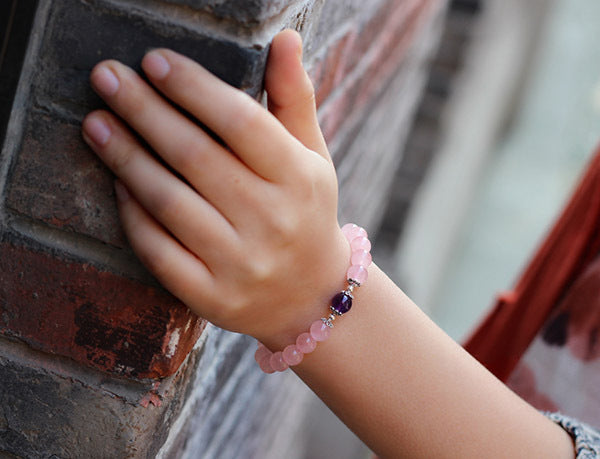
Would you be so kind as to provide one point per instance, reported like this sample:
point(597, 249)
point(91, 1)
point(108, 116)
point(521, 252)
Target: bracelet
point(341, 303)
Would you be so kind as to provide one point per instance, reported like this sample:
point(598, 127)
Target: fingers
point(255, 136)
point(192, 220)
point(205, 164)
point(291, 96)
point(172, 264)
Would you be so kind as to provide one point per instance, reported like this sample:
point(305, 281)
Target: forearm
point(408, 390)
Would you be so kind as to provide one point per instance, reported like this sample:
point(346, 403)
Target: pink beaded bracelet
point(341, 303)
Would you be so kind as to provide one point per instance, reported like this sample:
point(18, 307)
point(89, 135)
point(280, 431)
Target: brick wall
point(96, 359)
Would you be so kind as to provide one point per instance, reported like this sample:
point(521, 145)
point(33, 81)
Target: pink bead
point(361, 243)
point(277, 361)
point(358, 273)
point(319, 331)
point(305, 343)
point(352, 231)
point(261, 353)
point(361, 257)
point(265, 365)
point(348, 229)
point(292, 356)
point(357, 232)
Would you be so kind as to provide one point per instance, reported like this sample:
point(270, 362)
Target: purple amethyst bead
point(341, 303)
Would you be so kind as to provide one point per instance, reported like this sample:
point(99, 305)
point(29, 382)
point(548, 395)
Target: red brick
point(95, 317)
point(391, 32)
point(389, 51)
point(327, 70)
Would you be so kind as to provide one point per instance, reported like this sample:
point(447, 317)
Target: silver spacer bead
point(327, 321)
point(353, 283)
point(334, 312)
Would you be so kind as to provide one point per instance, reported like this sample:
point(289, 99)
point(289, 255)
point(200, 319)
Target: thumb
point(290, 93)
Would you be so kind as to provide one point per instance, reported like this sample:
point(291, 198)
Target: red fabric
point(574, 241)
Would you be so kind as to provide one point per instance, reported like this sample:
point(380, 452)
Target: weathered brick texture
point(368, 100)
point(97, 317)
point(69, 188)
point(85, 332)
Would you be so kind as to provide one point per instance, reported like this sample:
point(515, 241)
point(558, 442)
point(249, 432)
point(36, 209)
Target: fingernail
point(105, 82)
point(155, 65)
point(97, 130)
point(121, 191)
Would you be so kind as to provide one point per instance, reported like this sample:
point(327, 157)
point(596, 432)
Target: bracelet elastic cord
point(341, 303)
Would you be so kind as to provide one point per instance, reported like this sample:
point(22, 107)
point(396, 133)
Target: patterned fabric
point(561, 369)
point(587, 439)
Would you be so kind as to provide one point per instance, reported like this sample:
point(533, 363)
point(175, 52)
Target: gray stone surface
point(51, 407)
point(219, 405)
point(249, 11)
point(71, 48)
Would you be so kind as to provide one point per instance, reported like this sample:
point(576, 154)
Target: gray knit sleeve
point(586, 438)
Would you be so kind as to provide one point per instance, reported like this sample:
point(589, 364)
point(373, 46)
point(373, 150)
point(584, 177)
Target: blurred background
point(515, 96)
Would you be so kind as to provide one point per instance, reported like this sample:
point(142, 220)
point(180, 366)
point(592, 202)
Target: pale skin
point(251, 242)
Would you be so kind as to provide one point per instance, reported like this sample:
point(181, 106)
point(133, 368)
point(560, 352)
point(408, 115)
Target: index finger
point(255, 136)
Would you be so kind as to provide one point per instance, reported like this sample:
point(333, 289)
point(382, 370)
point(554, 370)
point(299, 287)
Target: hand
point(249, 238)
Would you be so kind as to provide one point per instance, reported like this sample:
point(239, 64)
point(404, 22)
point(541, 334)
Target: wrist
point(288, 346)
point(311, 303)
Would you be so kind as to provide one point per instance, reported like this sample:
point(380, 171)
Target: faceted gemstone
point(277, 361)
point(361, 243)
point(292, 356)
point(319, 331)
point(361, 257)
point(305, 343)
point(358, 273)
point(341, 303)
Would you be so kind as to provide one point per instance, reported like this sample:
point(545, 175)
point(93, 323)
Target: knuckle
point(237, 302)
point(283, 226)
point(257, 270)
point(167, 207)
point(306, 181)
point(132, 100)
point(122, 160)
point(308, 93)
point(191, 156)
point(280, 219)
point(230, 312)
point(249, 113)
